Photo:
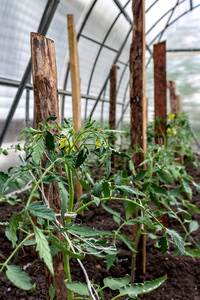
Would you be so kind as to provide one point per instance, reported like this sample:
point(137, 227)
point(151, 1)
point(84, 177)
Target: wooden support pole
point(172, 95)
point(75, 83)
point(112, 108)
point(45, 105)
point(160, 92)
point(138, 106)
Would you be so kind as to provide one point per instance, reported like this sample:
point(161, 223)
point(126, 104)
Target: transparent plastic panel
point(17, 20)
point(102, 70)
point(179, 10)
point(101, 18)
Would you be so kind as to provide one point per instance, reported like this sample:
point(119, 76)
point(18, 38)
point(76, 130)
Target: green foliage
point(19, 278)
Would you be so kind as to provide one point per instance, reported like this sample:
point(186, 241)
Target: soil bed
point(183, 272)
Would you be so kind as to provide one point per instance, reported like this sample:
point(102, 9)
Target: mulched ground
point(183, 272)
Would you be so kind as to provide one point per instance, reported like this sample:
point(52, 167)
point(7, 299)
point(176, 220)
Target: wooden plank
point(160, 91)
point(75, 83)
point(112, 107)
point(172, 95)
point(45, 105)
point(138, 106)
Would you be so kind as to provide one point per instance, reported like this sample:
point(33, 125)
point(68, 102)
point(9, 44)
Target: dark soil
point(183, 272)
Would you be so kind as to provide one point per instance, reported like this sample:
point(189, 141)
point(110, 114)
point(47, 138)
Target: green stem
point(107, 199)
point(68, 220)
point(118, 296)
point(17, 248)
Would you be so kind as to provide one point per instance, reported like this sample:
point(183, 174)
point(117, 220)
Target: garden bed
point(183, 272)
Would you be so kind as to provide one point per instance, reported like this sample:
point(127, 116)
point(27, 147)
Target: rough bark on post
point(172, 95)
point(160, 92)
point(45, 105)
point(178, 101)
point(137, 104)
point(75, 83)
point(112, 107)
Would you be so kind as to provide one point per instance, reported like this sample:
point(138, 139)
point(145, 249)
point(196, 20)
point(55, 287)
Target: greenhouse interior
point(100, 149)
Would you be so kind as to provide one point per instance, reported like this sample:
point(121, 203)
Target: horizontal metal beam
point(29, 86)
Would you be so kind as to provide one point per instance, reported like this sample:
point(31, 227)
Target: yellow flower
point(169, 130)
point(62, 145)
point(71, 145)
point(174, 132)
point(98, 144)
point(171, 116)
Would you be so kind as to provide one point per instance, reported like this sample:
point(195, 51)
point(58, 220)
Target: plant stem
point(17, 248)
point(107, 199)
point(68, 220)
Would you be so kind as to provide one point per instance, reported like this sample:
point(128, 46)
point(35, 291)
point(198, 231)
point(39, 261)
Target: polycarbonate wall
point(104, 38)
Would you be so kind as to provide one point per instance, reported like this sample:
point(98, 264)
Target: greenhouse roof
point(104, 29)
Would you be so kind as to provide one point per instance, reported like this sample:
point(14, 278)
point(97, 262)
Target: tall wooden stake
point(137, 105)
point(160, 91)
point(45, 105)
point(112, 108)
point(178, 101)
point(75, 83)
point(172, 94)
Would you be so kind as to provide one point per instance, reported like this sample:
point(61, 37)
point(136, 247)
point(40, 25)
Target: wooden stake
point(172, 93)
point(112, 108)
point(45, 105)
point(160, 91)
point(75, 83)
point(137, 104)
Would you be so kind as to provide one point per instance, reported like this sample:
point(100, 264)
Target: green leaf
point(168, 176)
point(132, 167)
point(86, 231)
point(96, 189)
point(136, 289)
point(85, 185)
point(106, 189)
point(193, 226)
point(64, 197)
point(110, 258)
point(81, 157)
point(186, 188)
point(51, 292)
point(111, 211)
point(117, 153)
point(96, 200)
point(42, 211)
point(49, 141)
point(129, 190)
point(13, 226)
point(54, 250)
point(175, 192)
point(56, 242)
point(29, 242)
point(78, 287)
point(116, 283)
point(140, 175)
point(38, 150)
point(52, 118)
point(48, 179)
point(163, 244)
point(197, 185)
point(126, 242)
point(158, 189)
point(161, 176)
point(43, 248)
point(149, 223)
point(130, 209)
point(193, 253)
point(177, 239)
point(154, 199)
point(19, 278)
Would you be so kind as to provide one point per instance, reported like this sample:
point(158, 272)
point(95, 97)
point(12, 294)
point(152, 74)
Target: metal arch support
point(42, 29)
point(80, 26)
point(183, 14)
point(114, 62)
point(191, 5)
point(97, 56)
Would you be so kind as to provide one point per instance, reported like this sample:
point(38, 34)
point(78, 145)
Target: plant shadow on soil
point(183, 272)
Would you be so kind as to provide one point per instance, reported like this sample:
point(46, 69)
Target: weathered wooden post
point(160, 92)
point(112, 108)
point(138, 106)
point(75, 83)
point(172, 95)
point(45, 105)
